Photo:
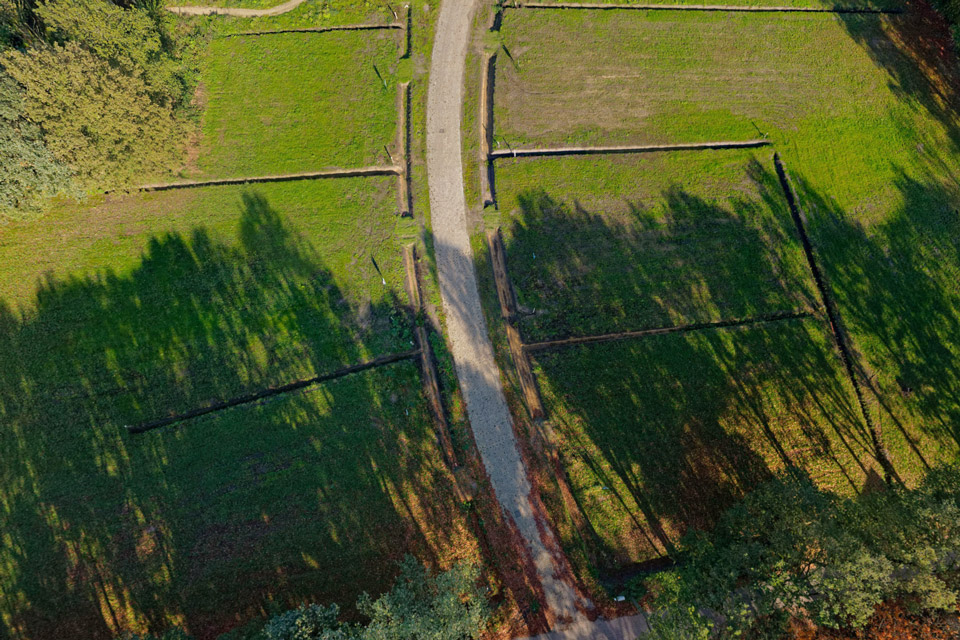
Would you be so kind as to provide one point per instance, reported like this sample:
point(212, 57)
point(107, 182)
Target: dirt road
point(233, 11)
point(472, 352)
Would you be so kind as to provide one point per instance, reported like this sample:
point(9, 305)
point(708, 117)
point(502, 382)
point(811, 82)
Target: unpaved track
point(477, 371)
point(234, 11)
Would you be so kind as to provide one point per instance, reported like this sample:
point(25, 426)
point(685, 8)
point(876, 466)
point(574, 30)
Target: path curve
point(290, 5)
point(477, 370)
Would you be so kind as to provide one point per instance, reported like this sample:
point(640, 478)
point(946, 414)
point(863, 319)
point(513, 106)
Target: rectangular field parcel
point(863, 111)
point(661, 434)
point(296, 102)
point(169, 300)
point(599, 244)
point(312, 495)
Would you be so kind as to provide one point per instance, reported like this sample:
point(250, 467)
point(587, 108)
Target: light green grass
point(856, 4)
point(312, 13)
point(603, 244)
point(297, 102)
point(659, 435)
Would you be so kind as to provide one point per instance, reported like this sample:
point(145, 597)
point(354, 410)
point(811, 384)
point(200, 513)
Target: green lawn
point(312, 495)
point(603, 244)
point(661, 434)
point(297, 102)
point(152, 304)
point(862, 108)
point(280, 276)
point(312, 13)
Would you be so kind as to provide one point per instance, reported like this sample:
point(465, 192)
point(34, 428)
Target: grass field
point(857, 4)
point(312, 13)
point(297, 102)
point(863, 109)
point(280, 277)
point(156, 303)
point(604, 244)
point(312, 495)
point(661, 434)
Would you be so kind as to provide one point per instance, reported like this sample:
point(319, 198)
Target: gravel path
point(472, 352)
point(233, 11)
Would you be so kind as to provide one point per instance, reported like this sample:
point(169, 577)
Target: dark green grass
point(158, 303)
point(603, 244)
point(857, 4)
point(310, 496)
point(660, 434)
point(280, 276)
point(297, 102)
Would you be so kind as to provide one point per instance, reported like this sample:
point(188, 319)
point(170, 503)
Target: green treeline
point(790, 550)
point(93, 95)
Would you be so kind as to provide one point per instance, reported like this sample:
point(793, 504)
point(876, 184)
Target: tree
point(449, 606)
point(28, 171)
point(95, 118)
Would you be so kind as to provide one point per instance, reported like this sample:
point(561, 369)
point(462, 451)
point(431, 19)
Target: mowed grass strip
point(604, 244)
point(311, 496)
point(660, 434)
point(297, 102)
point(312, 13)
point(169, 301)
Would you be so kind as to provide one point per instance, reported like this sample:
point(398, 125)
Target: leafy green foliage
point(132, 40)
point(308, 622)
point(793, 550)
point(448, 606)
point(28, 171)
point(96, 119)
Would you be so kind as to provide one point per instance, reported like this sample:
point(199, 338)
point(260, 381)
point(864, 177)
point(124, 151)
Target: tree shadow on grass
point(579, 272)
point(918, 53)
point(660, 434)
point(895, 284)
point(309, 495)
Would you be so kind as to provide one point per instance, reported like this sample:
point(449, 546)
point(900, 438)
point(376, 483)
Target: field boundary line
point(833, 316)
point(643, 148)
point(347, 27)
point(659, 331)
point(404, 201)
point(428, 367)
point(487, 83)
point(289, 177)
point(701, 7)
point(505, 295)
point(271, 392)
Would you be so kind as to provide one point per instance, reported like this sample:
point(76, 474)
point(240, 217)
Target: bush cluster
point(791, 550)
point(93, 96)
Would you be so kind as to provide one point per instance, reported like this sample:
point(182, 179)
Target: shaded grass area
point(281, 275)
point(604, 244)
point(659, 435)
point(297, 102)
point(309, 495)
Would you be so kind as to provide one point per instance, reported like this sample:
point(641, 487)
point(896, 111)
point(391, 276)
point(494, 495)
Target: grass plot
point(605, 244)
point(312, 495)
point(661, 434)
point(173, 299)
point(297, 102)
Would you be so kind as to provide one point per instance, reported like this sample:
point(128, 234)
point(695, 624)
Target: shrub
point(96, 119)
